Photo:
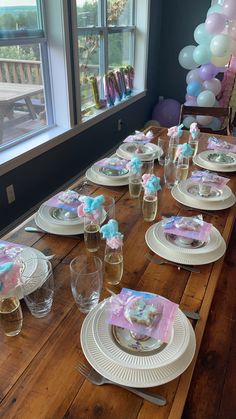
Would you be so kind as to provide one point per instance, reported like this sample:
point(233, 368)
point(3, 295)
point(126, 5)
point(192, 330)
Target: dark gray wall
point(170, 29)
point(179, 19)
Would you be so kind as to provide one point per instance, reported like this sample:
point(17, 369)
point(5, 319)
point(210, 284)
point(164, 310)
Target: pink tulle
point(115, 242)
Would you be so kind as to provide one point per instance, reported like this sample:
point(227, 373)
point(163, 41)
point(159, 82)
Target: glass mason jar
point(113, 265)
point(11, 317)
point(182, 168)
point(149, 206)
point(135, 184)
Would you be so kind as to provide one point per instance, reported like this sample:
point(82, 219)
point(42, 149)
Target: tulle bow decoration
point(9, 276)
point(110, 232)
point(135, 165)
point(91, 206)
point(194, 130)
point(175, 131)
point(184, 150)
point(151, 183)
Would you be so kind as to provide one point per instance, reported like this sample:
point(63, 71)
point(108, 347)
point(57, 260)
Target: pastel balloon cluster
point(215, 49)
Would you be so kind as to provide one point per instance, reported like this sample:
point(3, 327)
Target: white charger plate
point(185, 185)
point(58, 229)
point(212, 251)
point(201, 161)
point(199, 204)
point(46, 213)
point(105, 181)
point(133, 377)
point(165, 355)
point(128, 149)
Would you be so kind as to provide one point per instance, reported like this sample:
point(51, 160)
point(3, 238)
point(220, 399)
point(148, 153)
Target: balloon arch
point(214, 54)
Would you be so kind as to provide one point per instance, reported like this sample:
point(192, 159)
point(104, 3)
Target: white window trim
point(62, 90)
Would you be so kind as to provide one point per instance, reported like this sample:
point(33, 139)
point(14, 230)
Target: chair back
point(224, 114)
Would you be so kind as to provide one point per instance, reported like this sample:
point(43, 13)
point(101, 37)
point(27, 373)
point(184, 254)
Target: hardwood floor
point(212, 394)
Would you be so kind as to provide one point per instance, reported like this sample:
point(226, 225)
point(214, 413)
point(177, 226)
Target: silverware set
point(160, 261)
point(98, 379)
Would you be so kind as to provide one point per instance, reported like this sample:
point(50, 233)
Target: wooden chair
point(224, 114)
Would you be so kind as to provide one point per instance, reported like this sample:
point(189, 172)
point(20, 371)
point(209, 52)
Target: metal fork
point(96, 378)
point(159, 261)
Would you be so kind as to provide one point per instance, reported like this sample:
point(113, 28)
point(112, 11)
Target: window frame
point(65, 88)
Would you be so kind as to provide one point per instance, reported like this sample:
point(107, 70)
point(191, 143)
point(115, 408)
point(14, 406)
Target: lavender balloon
point(208, 71)
point(215, 23)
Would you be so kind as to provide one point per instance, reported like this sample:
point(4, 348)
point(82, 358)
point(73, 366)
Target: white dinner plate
point(130, 376)
point(200, 204)
point(165, 355)
point(52, 216)
point(202, 161)
point(97, 169)
point(190, 189)
point(127, 156)
point(58, 229)
point(99, 180)
point(128, 149)
point(213, 250)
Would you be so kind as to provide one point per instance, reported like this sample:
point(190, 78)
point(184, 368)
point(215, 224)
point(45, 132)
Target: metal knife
point(30, 229)
point(178, 265)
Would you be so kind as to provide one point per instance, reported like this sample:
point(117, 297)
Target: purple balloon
point(208, 71)
point(167, 112)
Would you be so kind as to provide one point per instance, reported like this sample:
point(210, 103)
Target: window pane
point(89, 51)
point(19, 15)
point(119, 12)
point(119, 49)
point(87, 13)
point(22, 100)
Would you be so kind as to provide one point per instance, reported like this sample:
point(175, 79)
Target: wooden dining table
point(38, 368)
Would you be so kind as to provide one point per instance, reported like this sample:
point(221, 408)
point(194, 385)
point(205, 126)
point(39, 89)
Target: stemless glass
point(170, 172)
point(194, 144)
point(163, 144)
point(40, 300)
point(135, 184)
point(11, 317)
point(113, 265)
point(92, 233)
point(149, 206)
point(86, 273)
point(182, 168)
point(173, 145)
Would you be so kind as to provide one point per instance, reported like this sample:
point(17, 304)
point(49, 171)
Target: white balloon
point(214, 85)
point(186, 57)
point(206, 98)
point(220, 45)
point(204, 119)
point(193, 75)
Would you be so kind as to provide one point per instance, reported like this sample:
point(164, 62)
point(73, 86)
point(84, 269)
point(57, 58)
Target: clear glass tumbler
point(135, 184)
point(113, 265)
point(149, 206)
point(38, 286)
point(170, 172)
point(164, 145)
point(86, 273)
point(182, 168)
point(92, 235)
point(11, 317)
point(194, 144)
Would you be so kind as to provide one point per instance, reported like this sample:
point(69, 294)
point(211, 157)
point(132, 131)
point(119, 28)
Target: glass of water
point(86, 274)
point(170, 171)
point(38, 287)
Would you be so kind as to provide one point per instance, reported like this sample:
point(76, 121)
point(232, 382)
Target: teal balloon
point(186, 58)
point(217, 8)
point(188, 121)
point(202, 54)
point(215, 124)
point(201, 36)
point(206, 98)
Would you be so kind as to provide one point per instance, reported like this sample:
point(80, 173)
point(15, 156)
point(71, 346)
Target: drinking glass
point(11, 317)
point(194, 144)
point(109, 207)
point(135, 184)
point(148, 166)
point(92, 233)
point(149, 206)
point(173, 145)
point(182, 167)
point(113, 265)
point(40, 300)
point(163, 144)
point(86, 273)
point(170, 172)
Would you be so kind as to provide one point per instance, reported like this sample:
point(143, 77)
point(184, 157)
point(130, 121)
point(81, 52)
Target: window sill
point(21, 153)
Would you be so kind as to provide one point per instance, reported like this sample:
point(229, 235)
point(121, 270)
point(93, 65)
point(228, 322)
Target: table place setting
point(184, 244)
point(111, 171)
point(216, 160)
point(137, 339)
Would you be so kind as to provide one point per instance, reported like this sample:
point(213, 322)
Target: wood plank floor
point(212, 394)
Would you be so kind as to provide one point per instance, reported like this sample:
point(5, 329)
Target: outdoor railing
point(20, 71)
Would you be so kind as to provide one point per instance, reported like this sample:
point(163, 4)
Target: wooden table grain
point(38, 376)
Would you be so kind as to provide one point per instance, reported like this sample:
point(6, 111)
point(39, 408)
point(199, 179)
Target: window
point(55, 57)
point(106, 35)
point(25, 104)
